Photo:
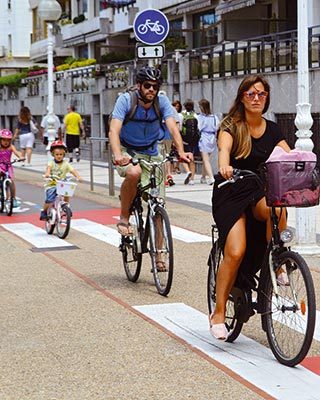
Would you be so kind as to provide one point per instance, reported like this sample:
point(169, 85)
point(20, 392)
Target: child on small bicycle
point(6, 150)
point(57, 168)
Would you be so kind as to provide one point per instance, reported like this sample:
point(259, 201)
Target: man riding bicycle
point(137, 133)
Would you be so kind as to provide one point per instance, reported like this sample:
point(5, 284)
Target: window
point(206, 33)
point(9, 4)
point(82, 6)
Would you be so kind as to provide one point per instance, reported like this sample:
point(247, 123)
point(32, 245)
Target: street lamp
point(50, 11)
point(305, 218)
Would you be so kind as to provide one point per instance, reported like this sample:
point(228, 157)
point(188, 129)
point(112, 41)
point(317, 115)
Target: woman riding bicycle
point(245, 140)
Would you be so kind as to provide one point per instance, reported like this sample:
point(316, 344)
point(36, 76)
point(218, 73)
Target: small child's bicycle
point(59, 214)
point(7, 189)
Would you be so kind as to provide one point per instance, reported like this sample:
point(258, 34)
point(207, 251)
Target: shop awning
point(227, 6)
point(187, 6)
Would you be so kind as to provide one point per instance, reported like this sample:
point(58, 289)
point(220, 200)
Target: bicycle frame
point(152, 202)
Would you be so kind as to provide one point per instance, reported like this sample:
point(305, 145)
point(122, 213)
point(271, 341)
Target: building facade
point(15, 36)
point(212, 44)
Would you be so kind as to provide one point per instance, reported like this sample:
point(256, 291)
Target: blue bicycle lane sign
point(151, 26)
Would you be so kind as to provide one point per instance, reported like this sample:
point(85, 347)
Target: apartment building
point(15, 35)
point(219, 41)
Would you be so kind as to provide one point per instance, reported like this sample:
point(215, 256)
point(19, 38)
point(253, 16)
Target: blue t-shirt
point(139, 133)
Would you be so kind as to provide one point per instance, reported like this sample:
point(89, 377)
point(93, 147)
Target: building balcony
point(85, 32)
point(39, 50)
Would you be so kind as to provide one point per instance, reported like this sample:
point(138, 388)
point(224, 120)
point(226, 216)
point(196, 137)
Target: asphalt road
point(73, 327)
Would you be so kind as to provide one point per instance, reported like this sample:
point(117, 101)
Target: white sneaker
point(210, 181)
point(203, 179)
point(191, 182)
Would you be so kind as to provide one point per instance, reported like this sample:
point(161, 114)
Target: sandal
point(161, 266)
point(125, 229)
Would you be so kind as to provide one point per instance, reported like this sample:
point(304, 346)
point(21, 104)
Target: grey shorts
point(122, 170)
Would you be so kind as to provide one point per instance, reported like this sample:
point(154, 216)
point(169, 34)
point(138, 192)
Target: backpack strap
point(134, 105)
point(157, 110)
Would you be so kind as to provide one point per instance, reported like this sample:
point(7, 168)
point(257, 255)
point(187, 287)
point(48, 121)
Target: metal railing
point(109, 166)
point(274, 52)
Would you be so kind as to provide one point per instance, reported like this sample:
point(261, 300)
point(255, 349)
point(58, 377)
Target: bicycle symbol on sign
point(152, 26)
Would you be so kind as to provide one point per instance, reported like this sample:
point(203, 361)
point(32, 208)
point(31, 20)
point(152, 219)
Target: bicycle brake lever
point(230, 180)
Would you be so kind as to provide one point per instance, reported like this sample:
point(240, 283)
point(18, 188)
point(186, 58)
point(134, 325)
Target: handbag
point(292, 179)
point(33, 127)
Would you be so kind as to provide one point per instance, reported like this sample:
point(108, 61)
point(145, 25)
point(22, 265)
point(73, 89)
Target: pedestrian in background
point(208, 126)
point(26, 129)
point(190, 137)
point(178, 107)
point(73, 127)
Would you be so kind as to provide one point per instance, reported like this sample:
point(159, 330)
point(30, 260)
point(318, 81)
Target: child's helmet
point(58, 144)
point(5, 134)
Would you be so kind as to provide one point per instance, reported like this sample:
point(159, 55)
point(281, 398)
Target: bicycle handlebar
point(236, 175)
point(136, 161)
point(13, 161)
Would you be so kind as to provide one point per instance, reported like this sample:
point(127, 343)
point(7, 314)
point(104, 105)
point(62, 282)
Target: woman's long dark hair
point(235, 121)
point(25, 115)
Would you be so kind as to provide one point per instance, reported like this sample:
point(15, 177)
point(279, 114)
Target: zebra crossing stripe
point(97, 231)
point(186, 235)
point(247, 358)
point(38, 237)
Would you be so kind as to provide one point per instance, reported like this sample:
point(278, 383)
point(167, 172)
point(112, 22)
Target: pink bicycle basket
point(292, 179)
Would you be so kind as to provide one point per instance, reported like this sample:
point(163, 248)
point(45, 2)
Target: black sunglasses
point(148, 85)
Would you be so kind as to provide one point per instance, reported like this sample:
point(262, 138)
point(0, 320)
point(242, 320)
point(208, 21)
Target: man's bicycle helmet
point(58, 144)
point(5, 134)
point(149, 74)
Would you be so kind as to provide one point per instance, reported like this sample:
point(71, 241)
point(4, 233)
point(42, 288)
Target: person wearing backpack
point(135, 130)
point(190, 137)
point(208, 126)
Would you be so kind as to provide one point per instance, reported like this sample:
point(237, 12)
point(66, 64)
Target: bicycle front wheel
point(232, 324)
point(161, 250)
point(63, 222)
point(131, 249)
point(290, 316)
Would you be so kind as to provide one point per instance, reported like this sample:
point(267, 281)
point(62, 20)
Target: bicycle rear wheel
point(131, 249)
point(232, 324)
point(290, 318)
point(63, 223)
point(161, 250)
point(8, 197)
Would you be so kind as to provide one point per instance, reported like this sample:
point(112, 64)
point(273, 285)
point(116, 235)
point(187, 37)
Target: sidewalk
point(198, 195)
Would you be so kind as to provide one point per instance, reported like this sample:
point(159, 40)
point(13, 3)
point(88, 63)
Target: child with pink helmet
point(6, 150)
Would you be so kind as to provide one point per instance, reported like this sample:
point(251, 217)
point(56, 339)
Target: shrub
point(79, 18)
point(12, 80)
point(115, 57)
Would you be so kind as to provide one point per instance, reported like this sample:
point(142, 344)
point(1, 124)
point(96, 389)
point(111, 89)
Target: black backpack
point(190, 131)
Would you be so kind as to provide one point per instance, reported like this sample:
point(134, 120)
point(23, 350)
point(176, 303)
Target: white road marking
point(97, 231)
point(36, 236)
point(247, 358)
point(185, 235)
point(188, 236)
point(30, 203)
point(17, 210)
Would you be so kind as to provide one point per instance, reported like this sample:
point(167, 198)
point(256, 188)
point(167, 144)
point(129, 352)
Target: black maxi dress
point(231, 201)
